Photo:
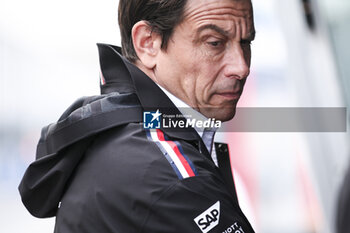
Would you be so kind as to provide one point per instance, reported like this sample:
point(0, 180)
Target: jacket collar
point(120, 75)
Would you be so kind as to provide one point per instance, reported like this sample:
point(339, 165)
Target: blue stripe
point(185, 156)
point(162, 149)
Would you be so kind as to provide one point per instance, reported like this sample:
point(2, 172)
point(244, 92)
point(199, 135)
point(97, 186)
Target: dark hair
point(162, 16)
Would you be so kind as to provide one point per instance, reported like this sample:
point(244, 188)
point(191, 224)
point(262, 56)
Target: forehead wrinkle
point(224, 14)
point(217, 12)
point(238, 7)
point(226, 17)
point(238, 27)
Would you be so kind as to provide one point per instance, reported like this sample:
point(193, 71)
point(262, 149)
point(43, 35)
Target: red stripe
point(177, 152)
point(160, 135)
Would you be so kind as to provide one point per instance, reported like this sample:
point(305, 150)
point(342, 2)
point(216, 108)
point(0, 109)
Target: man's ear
point(146, 44)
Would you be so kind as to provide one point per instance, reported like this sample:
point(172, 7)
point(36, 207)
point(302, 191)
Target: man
point(100, 168)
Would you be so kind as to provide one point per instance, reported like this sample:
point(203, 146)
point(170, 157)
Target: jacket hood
point(63, 144)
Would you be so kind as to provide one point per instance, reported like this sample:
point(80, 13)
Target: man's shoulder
point(128, 156)
point(145, 161)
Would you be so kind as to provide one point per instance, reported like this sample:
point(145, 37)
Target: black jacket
point(98, 170)
point(343, 208)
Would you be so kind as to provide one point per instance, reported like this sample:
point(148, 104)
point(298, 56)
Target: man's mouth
point(230, 95)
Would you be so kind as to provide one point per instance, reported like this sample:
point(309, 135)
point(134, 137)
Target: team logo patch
point(151, 120)
point(174, 153)
point(209, 218)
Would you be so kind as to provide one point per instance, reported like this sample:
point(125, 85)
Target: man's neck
point(187, 111)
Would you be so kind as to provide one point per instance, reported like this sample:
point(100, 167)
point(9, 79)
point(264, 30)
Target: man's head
point(199, 50)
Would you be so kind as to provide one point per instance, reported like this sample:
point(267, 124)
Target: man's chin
point(226, 115)
point(222, 114)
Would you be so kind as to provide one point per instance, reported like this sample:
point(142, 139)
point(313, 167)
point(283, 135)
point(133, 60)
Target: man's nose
point(236, 64)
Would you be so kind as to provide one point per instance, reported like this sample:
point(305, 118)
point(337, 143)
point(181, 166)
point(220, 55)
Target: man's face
point(208, 56)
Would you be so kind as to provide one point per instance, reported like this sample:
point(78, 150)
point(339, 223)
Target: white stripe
point(102, 79)
point(171, 153)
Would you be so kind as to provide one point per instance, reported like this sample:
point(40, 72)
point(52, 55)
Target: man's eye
point(215, 43)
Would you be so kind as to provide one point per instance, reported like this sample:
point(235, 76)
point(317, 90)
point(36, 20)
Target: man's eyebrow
point(249, 37)
point(212, 27)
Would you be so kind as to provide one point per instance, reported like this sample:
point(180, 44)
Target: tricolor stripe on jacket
point(173, 152)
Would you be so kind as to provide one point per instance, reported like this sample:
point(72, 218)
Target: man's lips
point(230, 95)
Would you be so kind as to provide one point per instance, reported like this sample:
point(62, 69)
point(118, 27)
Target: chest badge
point(209, 218)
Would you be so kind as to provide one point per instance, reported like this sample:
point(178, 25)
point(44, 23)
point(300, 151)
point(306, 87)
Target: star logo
point(151, 120)
point(156, 115)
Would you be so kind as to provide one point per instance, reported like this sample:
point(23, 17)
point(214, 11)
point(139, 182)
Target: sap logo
point(209, 218)
point(151, 120)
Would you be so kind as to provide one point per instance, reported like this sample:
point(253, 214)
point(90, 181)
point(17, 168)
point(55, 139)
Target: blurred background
point(286, 182)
